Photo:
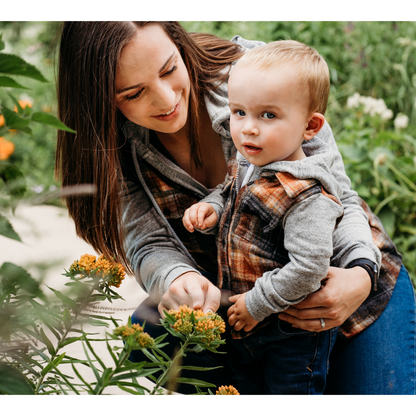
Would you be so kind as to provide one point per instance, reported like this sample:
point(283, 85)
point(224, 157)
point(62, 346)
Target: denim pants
point(380, 360)
point(279, 359)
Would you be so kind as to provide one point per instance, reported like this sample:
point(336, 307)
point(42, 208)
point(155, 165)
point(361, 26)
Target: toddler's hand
point(239, 316)
point(199, 216)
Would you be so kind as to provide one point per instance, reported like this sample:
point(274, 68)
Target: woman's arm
point(161, 266)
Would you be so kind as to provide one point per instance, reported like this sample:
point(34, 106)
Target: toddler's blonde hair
point(312, 69)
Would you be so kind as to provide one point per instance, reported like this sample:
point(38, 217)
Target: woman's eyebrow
point(119, 91)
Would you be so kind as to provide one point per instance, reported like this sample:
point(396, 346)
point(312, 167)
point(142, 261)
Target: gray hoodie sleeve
point(153, 251)
point(352, 239)
point(308, 228)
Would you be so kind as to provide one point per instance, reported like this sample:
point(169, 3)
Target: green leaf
point(47, 342)
point(10, 83)
point(2, 46)
point(17, 276)
point(14, 121)
point(14, 65)
point(194, 382)
point(65, 299)
point(53, 364)
point(67, 319)
point(50, 120)
point(126, 389)
point(68, 341)
point(194, 368)
point(13, 381)
point(14, 179)
point(7, 230)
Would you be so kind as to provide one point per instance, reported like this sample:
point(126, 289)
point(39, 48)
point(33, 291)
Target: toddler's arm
point(199, 216)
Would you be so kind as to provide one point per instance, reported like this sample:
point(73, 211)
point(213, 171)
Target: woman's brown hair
point(88, 58)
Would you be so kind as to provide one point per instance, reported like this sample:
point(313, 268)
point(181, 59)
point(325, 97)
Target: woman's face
point(152, 82)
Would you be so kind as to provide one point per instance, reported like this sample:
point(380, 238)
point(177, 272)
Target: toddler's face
point(269, 113)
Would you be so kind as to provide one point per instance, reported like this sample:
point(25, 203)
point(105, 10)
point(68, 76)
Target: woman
point(149, 104)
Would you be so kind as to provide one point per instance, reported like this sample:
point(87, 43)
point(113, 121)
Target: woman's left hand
point(343, 291)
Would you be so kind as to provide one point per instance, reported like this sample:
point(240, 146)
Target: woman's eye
point(268, 115)
point(173, 69)
point(133, 97)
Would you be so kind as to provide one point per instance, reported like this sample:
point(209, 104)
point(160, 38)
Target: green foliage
point(29, 318)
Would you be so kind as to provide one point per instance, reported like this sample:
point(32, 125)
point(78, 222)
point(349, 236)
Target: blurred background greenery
point(372, 106)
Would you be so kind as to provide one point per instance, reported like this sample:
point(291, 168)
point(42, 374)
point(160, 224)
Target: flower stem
point(65, 334)
point(162, 379)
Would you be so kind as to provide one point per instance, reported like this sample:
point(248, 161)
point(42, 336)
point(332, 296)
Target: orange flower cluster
point(227, 391)
point(143, 339)
point(88, 265)
point(209, 324)
point(6, 148)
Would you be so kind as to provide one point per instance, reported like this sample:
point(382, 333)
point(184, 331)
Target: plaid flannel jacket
point(250, 232)
point(174, 200)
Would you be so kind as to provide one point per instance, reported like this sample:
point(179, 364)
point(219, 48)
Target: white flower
point(404, 41)
point(371, 105)
point(386, 114)
point(401, 121)
point(353, 101)
point(38, 189)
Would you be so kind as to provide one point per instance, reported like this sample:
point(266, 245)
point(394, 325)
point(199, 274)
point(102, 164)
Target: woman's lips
point(251, 150)
point(169, 115)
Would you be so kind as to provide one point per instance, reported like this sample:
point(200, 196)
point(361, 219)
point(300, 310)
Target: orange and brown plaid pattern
point(173, 200)
point(250, 237)
point(376, 302)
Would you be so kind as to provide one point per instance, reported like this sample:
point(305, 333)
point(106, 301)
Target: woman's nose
point(164, 97)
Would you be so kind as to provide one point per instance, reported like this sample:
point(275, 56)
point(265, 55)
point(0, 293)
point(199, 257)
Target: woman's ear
point(315, 124)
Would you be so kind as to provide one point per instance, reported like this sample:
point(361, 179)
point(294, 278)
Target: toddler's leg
point(293, 361)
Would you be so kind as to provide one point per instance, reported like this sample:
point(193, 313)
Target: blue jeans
point(279, 359)
point(380, 360)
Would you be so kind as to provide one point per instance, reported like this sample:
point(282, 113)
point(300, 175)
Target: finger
point(186, 222)
point(201, 214)
point(234, 298)
point(212, 299)
point(249, 327)
point(312, 313)
point(211, 220)
point(193, 215)
point(312, 325)
point(195, 293)
point(230, 310)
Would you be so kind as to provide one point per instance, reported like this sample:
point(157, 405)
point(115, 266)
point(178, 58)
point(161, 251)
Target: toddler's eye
point(240, 113)
point(268, 115)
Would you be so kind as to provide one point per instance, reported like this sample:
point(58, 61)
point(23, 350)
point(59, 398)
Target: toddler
point(274, 217)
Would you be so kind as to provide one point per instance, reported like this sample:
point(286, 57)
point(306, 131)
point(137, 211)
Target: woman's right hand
point(191, 289)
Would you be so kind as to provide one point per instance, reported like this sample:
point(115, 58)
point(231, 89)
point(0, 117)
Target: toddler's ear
point(315, 124)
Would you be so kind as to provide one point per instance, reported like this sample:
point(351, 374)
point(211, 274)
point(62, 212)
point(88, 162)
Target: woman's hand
point(343, 291)
point(191, 289)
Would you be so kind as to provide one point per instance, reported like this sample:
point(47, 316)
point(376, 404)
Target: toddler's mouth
point(251, 149)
